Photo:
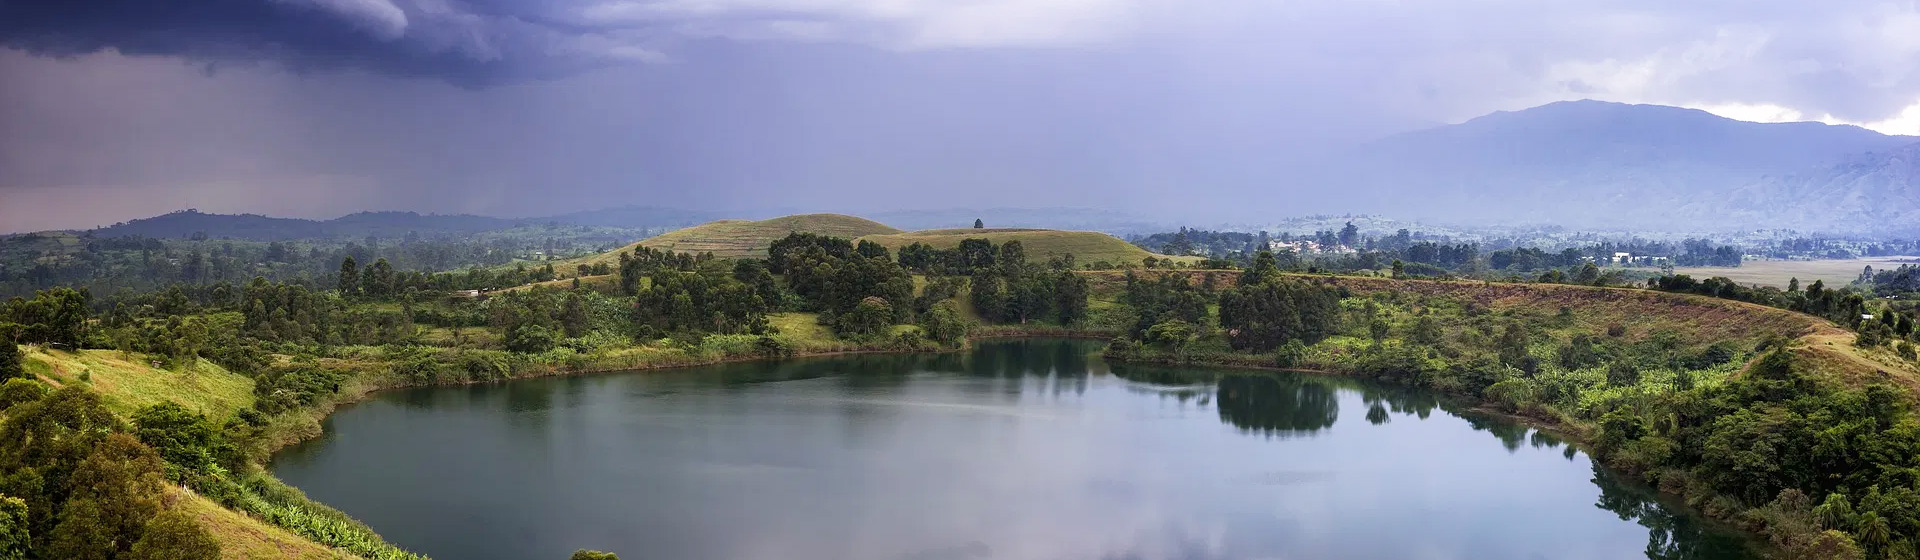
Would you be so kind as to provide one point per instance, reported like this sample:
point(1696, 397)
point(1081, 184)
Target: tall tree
point(378, 279)
point(1070, 297)
point(349, 277)
point(10, 361)
point(977, 224)
point(871, 250)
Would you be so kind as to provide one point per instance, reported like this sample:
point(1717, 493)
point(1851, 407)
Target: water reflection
point(1669, 536)
point(1280, 405)
point(1034, 451)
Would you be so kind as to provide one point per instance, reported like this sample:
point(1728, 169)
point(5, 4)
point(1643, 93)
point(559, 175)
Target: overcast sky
point(111, 110)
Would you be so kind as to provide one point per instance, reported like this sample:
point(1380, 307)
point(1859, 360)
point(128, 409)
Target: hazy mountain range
point(1612, 165)
point(387, 225)
point(1580, 164)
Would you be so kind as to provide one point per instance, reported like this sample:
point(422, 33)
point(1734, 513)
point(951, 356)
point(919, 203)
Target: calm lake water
point(1031, 449)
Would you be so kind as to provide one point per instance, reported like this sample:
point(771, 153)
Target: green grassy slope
point(1041, 244)
point(128, 381)
point(742, 238)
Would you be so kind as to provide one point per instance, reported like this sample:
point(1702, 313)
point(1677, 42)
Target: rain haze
point(1175, 110)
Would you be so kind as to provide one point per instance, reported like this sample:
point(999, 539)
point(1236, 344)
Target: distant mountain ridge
point(255, 227)
point(390, 224)
point(1594, 163)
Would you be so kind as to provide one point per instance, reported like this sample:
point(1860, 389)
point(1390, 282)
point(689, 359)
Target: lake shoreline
point(363, 389)
point(299, 466)
point(304, 425)
point(1570, 433)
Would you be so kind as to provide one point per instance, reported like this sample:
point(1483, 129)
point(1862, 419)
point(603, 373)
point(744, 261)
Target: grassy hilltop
point(1041, 244)
point(732, 239)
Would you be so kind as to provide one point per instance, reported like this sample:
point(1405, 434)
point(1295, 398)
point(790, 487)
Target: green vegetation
point(199, 382)
point(242, 536)
point(1748, 412)
point(733, 239)
point(110, 265)
point(1088, 248)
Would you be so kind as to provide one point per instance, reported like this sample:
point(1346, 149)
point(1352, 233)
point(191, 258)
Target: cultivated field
point(1836, 272)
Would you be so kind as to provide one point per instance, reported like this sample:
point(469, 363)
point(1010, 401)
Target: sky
point(118, 109)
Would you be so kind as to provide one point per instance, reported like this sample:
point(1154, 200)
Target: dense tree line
point(1008, 289)
point(58, 316)
point(1904, 279)
point(857, 289)
point(112, 265)
point(1266, 310)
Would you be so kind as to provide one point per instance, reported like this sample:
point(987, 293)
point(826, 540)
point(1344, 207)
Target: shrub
point(531, 339)
point(944, 325)
point(1290, 355)
point(13, 528)
point(188, 442)
point(173, 535)
point(20, 391)
point(773, 347)
point(485, 366)
point(1622, 373)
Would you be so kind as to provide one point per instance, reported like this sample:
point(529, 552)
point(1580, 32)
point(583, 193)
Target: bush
point(282, 388)
point(419, 370)
point(944, 325)
point(584, 554)
point(13, 528)
point(20, 391)
point(1622, 373)
point(868, 318)
point(531, 339)
point(188, 442)
point(1290, 355)
point(909, 340)
point(485, 366)
point(173, 535)
point(773, 347)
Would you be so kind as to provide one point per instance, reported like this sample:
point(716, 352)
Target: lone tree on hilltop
point(977, 224)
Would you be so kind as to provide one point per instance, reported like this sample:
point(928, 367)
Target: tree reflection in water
point(1281, 405)
point(1669, 536)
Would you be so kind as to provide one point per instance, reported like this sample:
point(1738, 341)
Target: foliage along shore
point(1781, 423)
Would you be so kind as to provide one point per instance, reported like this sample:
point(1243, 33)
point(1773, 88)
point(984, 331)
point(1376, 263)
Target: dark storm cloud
point(464, 43)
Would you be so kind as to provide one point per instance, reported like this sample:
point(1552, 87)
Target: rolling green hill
point(744, 238)
point(1041, 244)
